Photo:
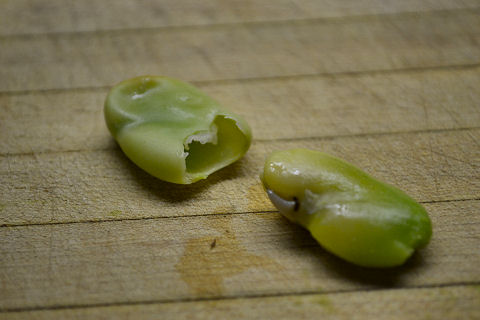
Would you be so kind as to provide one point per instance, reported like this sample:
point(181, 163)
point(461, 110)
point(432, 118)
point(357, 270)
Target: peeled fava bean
point(172, 130)
point(352, 215)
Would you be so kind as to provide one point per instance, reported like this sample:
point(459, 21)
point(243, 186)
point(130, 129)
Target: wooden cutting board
point(392, 87)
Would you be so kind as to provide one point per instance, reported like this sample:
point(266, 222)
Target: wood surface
point(391, 86)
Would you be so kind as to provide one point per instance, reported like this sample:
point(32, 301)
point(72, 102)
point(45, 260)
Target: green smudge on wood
point(115, 213)
point(326, 303)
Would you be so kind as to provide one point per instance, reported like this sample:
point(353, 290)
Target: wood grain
point(105, 185)
point(173, 259)
point(242, 51)
point(455, 302)
point(38, 17)
point(317, 106)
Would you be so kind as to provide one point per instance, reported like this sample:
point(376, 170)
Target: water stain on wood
point(207, 261)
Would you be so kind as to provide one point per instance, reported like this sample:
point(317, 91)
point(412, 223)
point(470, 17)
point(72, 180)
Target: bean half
point(172, 130)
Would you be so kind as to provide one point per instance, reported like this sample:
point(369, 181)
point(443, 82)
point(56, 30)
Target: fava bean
point(348, 212)
point(172, 130)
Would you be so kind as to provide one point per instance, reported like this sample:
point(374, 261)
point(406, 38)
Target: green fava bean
point(348, 212)
point(172, 130)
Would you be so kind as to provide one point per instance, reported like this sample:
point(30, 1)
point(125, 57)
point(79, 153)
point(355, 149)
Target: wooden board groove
point(473, 284)
point(449, 302)
point(226, 81)
point(243, 51)
point(7, 225)
point(304, 21)
point(113, 146)
point(92, 185)
point(335, 105)
point(34, 17)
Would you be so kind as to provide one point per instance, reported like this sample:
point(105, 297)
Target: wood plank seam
point(143, 197)
point(252, 296)
point(338, 74)
point(251, 52)
point(13, 225)
point(137, 219)
point(321, 20)
point(320, 138)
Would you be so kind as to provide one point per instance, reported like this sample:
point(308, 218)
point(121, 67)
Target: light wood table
point(391, 86)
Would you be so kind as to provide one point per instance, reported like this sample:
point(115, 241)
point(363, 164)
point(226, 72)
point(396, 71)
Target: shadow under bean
point(332, 266)
point(176, 193)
